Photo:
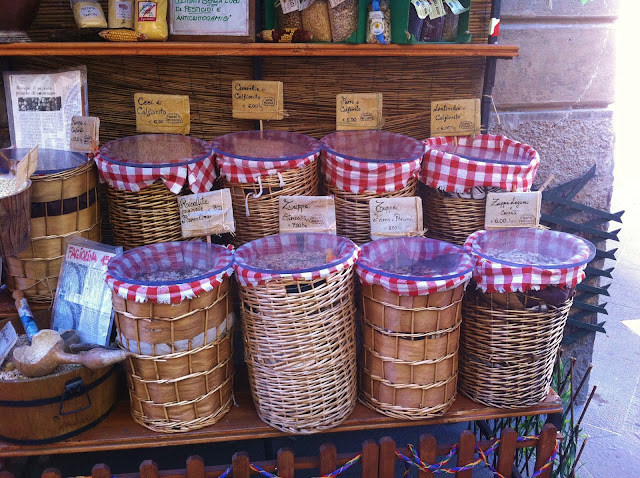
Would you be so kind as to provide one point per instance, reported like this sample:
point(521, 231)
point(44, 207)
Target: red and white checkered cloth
point(125, 267)
point(237, 170)
point(198, 170)
point(493, 276)
point(344, 250)
point(415, 249)
point(452, 173)
point(359, 174)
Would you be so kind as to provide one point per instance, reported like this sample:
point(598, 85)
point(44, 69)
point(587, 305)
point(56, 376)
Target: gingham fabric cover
point(413, 249)
point(452, 173)
point(282, 243)
point(200, 174)
point(496, 277)
point(160, 257)
point(237, 170)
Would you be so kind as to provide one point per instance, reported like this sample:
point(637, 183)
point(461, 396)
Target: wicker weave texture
point(261, 204)
point(352, 210)
point(300, 351)
point(66, 205)
point(450, 219)
point(507, 356)
point(150, 328)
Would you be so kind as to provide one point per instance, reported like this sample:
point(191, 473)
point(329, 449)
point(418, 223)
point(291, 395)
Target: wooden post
point(195, 467)
point(387, 462)
point(544, 450)
point(427, 453)
point(286, 462)
point(370, 457)
point(148, 469)
point(328, 458)
point(240, 463)
point(100, 470)
point(507, 451)
point(466, 452)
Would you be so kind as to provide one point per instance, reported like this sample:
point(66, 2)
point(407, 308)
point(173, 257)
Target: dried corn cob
point(121, 34)
point(288, 35)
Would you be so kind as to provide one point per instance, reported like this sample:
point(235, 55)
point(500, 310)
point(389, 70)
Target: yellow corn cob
point(120, 34)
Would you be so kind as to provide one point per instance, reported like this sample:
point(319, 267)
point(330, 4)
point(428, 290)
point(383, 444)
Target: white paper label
point(335, 3)
point(8, 338)
point(456, 7)
point(395, 217)
point(289, 6)
point(206, 213)
point(376, 22)
point(123, 11)
point(512, 210)
point(209, 17)
point(437, 9)
point(422, 8)
point(307, 214)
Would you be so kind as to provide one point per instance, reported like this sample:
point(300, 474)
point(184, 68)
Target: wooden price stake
point(85, 134)
point(358, 111)
point(455, 117)
point(506, 210)
point(206, 213)
point(162, 113)
point(396, 217)
point(307, 214)
point(259, 100)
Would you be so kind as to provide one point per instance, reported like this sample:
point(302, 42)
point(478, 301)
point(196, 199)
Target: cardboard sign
point(8, 338)
point(162, 113)
point(26, 167)
point(307, 214)
point(359, 111)
point(85, 134)
point(206, 213)
point(260, 100)
point(395, 217)
point(455, 117)
point(512, 210)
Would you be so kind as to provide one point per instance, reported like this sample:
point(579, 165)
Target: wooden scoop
point(46, 352)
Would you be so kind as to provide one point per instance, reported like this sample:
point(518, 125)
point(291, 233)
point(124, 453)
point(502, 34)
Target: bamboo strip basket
point(63, 204)
point(255, 213)
point(151, 328)
point(352, 210)
point(450, 219)
point(300, 350)
point(507, 355)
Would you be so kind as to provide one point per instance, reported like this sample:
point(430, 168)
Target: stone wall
point(555, 96)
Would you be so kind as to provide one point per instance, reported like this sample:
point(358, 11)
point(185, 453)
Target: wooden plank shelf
point(119, 432)
point(254, 49)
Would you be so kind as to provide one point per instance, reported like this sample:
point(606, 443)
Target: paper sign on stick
point(512, 210)
point(260, 100)
point(162, 113)
point(307, 214)
point(455, 117)
point(394, 217)
point(206, 213)
point(85, 135)
point(358, 111)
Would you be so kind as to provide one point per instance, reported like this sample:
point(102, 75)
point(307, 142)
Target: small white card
point(396, 217)
point(512, 210)
point(8, 338)
point(307, 214)
point(206, 213)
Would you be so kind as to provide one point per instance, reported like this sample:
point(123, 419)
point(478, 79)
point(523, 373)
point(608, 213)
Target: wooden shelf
point(253, 49)
point(119, 432)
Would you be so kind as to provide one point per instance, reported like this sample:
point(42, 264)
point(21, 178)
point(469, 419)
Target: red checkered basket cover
point(124, 267)
point(345, 253)
point(494, 276)
point(358, 175)
point(199, 171)
point(452, 173)
point(415, 249)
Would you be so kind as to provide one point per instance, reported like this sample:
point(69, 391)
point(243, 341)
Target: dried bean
point(315, 20)
point(379, 23)
point(344, 20)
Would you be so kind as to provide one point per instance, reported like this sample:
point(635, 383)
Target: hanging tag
point(206, 213)
point(456, 7)
point(8, 338)
point(395, 217)
point(85, 134)
point(335, 3)
point(26, 167)
point(437, 9)
point(162, 113)
point(455, 117)
point(305, 4)
point(422, 8)
point(254, 99)
point(359, 111)
point(505, 210)
point(289, 6)
point(307, 214)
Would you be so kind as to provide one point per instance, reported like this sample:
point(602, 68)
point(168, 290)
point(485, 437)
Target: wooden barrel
point(14, 217)
point(42, 410)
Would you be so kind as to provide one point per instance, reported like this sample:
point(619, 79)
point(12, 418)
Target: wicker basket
point(353, 213)
point(63, 204)
point(300, 350)
point(507, 355)
point(262, 209)
point(450, 219)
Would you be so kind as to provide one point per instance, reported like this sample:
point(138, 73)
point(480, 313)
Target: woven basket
point(63, 204)
point(507, 355)
point(450, 219)
point(151, 328)
point(263, 211)
point(352, 210)
point(300, 351)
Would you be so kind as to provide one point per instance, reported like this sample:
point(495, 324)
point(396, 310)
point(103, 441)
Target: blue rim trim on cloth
point(271, 159)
